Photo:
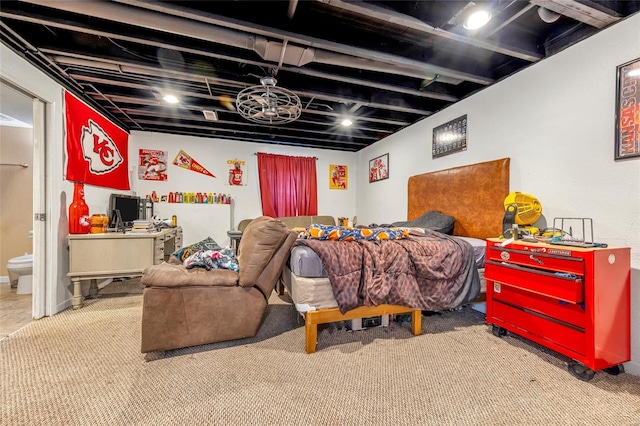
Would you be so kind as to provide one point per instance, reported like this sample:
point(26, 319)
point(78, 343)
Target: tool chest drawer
point(571, 338)
point(569, 313)
point(558, 286)
point(537, 259)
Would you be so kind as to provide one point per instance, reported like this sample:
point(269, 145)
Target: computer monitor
point(127, 205)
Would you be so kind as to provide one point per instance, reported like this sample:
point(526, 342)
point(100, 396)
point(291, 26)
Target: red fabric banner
point(97, 149)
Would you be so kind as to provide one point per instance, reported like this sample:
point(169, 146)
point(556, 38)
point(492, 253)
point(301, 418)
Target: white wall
point(555, 120)
point(198, 220)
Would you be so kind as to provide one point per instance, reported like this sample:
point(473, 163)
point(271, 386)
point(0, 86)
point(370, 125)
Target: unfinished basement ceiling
point(384, 64)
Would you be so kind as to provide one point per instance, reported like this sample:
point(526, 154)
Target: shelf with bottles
point(191, 198)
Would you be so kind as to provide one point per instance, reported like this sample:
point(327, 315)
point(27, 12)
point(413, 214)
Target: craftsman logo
point(505, 255)
point(99, 149)
point(560, 252)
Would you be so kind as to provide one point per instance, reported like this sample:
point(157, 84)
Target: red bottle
point(79, 222)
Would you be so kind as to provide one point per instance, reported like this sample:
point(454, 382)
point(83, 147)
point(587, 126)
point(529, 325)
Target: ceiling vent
point(210, 115)
point(268, 104)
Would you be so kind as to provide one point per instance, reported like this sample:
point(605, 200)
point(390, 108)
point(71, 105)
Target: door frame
point(41, 215)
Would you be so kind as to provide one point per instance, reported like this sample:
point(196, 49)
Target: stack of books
point(143, 226)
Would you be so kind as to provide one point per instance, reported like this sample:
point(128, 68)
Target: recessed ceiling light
point(170, 99)
point(634, 73)
point(478, 18)
point(346, 122)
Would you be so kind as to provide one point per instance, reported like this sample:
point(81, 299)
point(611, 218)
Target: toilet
point(20, 270)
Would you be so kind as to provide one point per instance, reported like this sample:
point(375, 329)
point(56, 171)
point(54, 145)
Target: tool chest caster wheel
point(615, 370)
point(498, 331)
point(581, 372)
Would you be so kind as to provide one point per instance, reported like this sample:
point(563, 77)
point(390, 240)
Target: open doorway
point(21, 176)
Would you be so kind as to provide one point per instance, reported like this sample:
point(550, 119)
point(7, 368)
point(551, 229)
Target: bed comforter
point(432, 272)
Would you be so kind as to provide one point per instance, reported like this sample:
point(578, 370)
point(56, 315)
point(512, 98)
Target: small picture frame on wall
point(627, 110)
point(379, 168)
point(449, 137)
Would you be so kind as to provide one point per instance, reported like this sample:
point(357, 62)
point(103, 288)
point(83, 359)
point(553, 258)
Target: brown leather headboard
point(474, 195)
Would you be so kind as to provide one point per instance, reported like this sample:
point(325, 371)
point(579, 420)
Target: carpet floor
point(84, 367)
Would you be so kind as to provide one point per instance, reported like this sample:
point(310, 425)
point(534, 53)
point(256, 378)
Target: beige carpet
point(84, 367)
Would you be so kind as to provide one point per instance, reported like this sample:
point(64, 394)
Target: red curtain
point(288, 185)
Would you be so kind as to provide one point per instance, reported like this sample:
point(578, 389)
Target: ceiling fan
point(268, 104)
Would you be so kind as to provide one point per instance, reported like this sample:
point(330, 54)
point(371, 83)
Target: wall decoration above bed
point(450, 137)
point(379, 168)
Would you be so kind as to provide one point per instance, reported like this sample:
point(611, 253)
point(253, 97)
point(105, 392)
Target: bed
point(472, 194)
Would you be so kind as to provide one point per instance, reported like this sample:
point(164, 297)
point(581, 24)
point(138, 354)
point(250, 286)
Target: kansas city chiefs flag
point(96, 148)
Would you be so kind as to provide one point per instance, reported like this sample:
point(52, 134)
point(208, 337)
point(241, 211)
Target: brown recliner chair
point(186, 307)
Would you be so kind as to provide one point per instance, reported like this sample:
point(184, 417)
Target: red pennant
point(185, 161)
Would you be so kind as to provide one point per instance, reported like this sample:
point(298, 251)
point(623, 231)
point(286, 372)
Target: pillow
point(206, 244)
point(433, 220)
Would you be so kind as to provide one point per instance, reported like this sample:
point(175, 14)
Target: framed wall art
point(338, 176)
point(450, 137)
point(379, 168)
point(628, 110)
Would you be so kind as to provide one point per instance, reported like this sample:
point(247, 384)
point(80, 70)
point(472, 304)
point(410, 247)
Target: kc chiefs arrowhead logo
point(99, 149)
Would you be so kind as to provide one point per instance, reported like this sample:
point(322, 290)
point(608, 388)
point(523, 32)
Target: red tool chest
point(573, 300)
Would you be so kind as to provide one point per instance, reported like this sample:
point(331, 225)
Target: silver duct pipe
point(151, 20)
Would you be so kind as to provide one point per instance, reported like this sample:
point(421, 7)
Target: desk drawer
point(528, 322)
point(539, 260)
point(569, 313)
point(568, 289)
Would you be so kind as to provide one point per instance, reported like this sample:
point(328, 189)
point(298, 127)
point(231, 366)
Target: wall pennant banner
point(185, 161)
point(97, 149)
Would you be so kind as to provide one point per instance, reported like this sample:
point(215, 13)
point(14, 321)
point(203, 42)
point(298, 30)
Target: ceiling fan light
point(170, 99)
point(346, 122)
point(477, 19)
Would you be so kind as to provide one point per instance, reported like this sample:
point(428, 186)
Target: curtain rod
point(25, 165)
point(256, 153)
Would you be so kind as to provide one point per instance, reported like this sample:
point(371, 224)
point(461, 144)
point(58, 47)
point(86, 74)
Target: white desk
point(116, 254)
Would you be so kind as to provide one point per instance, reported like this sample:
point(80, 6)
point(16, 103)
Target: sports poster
point(338, 176)
point(152, 165)
point(185, 161)
point(237, 172)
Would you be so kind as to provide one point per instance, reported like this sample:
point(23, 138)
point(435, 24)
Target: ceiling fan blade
point(260, 100)
point(292, 109)
point(258, 115)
